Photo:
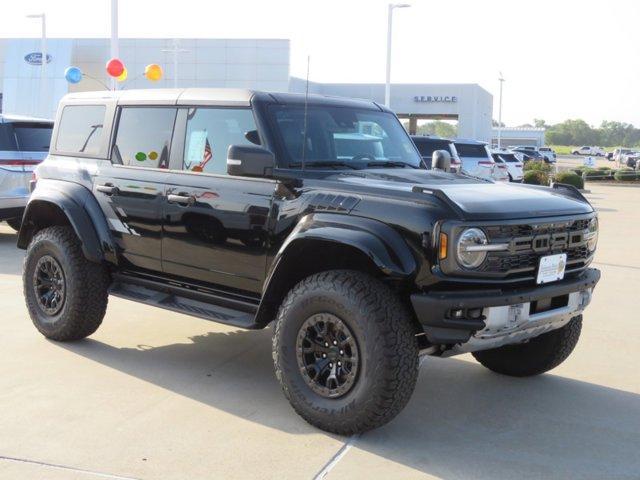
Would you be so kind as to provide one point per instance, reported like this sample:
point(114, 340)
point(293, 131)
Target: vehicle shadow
point(463, 421)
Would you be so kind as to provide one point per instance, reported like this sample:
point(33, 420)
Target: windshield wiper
point(390, 164)
point(329, 163)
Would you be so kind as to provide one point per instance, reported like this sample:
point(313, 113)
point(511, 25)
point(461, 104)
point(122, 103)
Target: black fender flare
point(82, 211)
point(384, 246)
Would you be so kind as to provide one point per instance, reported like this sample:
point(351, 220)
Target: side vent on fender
point(327, 202)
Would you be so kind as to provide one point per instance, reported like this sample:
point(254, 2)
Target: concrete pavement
point(155, 394)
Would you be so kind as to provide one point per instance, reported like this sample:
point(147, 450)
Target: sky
point(560, 58)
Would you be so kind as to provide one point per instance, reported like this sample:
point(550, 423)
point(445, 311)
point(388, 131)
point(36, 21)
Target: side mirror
point(250, 161)
point(441, 160)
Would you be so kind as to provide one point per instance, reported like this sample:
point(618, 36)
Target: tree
point(539, 123)
point(439, 128)
point(572, 132)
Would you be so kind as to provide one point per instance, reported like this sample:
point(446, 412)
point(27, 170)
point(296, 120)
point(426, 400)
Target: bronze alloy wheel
point(327, 355)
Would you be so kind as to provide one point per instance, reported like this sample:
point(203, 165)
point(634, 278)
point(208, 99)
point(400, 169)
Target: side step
point(185, 300)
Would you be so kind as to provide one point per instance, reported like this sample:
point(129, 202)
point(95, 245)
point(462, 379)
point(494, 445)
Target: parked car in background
point(548, 153)
point(510, 161)
point(618, 153)
point(24, 143)
point(631, 159)
point(429, 144)
point(609, 156)
point(477, 161)
point(529, 153)
point(588, 150)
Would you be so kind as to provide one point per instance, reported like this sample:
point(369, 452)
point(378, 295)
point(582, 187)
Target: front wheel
point(66, 294)
point(537, 356)
point(345, 351)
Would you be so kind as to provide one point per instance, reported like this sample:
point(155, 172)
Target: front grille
point(529, 242)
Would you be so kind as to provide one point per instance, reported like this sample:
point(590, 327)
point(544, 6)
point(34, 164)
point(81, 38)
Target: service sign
point(435, 99)
point(35, 58)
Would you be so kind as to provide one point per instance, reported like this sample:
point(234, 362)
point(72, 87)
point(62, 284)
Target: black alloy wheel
point(49, 285)
point(327, 355)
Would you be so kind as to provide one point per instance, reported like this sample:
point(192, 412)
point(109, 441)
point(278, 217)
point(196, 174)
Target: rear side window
point(7, 137)
point(466, 150)
point(81, 129)
point(427, 148)
point(210, 131)
point(33, 137)
point(144, 136)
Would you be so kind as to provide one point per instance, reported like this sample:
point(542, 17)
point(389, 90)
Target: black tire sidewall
point(51, 326)
point(387, 350)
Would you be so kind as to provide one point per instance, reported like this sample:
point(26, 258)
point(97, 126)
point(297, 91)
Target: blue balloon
point(73, 74)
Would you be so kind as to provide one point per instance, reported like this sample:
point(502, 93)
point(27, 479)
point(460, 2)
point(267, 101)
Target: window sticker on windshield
point(197, 142)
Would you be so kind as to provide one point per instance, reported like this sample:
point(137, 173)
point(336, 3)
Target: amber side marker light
point(442, 254)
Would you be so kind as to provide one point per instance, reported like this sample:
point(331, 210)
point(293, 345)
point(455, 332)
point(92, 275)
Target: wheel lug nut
point(326, 344)
point(335, 343)
point(324, 355)
point(339, 364)
point(330, 364)
point(341, 352)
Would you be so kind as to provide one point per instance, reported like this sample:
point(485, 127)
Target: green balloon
point(141, 156)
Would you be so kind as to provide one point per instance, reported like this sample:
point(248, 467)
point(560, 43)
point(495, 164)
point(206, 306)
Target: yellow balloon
point(153, 72)
point(123, 76)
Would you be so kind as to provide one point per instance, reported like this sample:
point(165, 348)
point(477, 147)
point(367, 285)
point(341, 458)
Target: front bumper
point(495, 317)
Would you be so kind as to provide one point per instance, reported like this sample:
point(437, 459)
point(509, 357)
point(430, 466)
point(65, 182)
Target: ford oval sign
point(35, 58)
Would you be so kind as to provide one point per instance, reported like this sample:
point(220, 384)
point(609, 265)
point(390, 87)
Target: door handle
point(181, 199)
point(108, 189)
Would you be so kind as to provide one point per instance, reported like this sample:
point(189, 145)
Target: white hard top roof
point(166, 96)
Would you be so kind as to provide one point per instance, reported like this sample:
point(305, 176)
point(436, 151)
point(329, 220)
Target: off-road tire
point(388, 350)
point(537, 356)
point(86, 290)
point(14, 223)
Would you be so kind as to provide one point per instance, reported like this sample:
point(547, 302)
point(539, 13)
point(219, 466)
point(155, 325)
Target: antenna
point(306, 101)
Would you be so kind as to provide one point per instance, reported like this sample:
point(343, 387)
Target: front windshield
point(340, 137)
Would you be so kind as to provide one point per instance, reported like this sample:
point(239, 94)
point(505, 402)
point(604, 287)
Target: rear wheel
point(345, 351)
point(537, 356)
point(66, 294)
point(14, 223)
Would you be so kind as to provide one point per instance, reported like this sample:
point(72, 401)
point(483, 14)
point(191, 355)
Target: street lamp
point(501, 80)
point(387, 86)
point(113, 44)
point(43, 58)
point(175, 50)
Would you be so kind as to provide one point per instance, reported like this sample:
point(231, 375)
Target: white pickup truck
point(587, 150)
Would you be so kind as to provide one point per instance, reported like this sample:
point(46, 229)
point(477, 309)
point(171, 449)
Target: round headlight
point(468, 256)
point(592, 234)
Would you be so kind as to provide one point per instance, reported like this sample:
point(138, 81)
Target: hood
point(477, 200)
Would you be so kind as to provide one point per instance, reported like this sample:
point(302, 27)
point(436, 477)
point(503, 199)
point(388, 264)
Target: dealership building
point(261, 64)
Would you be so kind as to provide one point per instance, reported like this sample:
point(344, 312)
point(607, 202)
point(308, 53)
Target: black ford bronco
point(315, 214)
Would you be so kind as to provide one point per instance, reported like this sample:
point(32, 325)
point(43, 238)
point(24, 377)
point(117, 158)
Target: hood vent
point(327, 202)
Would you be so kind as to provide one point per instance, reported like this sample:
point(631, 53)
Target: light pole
point(114, 37)
point(43, 60)
point(501, 80)
point(387, 86)
point(175, 50)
